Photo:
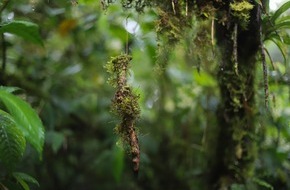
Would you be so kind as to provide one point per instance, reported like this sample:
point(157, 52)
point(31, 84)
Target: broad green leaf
point(25, 177)
point(27, 30)
point(12, 141)
point(26, 119)
point(280, 11)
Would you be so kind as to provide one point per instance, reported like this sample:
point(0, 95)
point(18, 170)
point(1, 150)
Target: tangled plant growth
point(237, 27)
point(125, 105)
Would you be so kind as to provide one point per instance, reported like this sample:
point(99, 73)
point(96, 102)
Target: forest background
point(63, 76)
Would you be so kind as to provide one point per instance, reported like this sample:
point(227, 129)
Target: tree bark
point(233, 160)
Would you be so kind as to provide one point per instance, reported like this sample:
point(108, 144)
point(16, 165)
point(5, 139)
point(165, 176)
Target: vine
point(125, 105)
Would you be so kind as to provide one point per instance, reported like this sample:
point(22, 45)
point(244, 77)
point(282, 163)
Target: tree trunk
point(233, 160)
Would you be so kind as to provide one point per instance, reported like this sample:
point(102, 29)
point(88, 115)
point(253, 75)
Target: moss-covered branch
point(125, 105)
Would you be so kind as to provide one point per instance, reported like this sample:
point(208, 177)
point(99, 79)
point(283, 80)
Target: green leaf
point(282, 38)
point(27, 30)
point(9, 89)
point(25, 177)
point(282, 49)
point(283, 19)
point(280, 11)
point(26, 119)
point(23, 184)
point(278, 26)
point(263, 183)
point(12, 141)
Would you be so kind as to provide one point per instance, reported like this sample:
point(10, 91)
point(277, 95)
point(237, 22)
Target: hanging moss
point(125, 105)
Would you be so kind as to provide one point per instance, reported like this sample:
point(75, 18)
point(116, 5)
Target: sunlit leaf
point(26, 119)
point(27, 30)
point(12, 141)
point(280, 11)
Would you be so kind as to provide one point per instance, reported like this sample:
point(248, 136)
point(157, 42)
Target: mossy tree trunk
point(233, 160)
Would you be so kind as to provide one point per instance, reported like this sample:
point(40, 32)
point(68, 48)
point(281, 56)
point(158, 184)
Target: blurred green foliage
point(65, 80)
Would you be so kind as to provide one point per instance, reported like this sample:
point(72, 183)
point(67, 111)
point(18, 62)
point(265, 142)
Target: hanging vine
point(125, 105)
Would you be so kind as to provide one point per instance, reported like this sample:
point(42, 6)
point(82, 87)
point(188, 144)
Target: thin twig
point(264, 64)
point(235, 48)
point(265, 74)
point(212, 36)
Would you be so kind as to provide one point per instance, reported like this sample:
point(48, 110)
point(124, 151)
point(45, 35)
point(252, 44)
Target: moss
point(125, 105)
point(241, 11)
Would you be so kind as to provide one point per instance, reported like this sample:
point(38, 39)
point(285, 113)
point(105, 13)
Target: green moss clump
point(125, 105)
point(241, 11)
point(118, 68)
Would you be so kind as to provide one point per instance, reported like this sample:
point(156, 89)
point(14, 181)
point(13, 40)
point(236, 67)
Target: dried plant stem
point(235, 48)
point(264, 64)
